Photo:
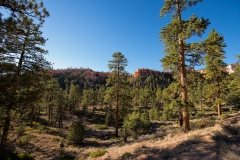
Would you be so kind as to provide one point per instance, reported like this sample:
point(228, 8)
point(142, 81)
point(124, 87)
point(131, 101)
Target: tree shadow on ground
point(190, 149)
point(223, 146)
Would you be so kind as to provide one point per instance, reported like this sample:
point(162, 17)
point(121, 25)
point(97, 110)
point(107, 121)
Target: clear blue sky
point(85, 33)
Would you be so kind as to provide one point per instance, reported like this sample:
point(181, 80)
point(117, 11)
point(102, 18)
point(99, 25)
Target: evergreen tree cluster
point(84, 78)
point(29, 87)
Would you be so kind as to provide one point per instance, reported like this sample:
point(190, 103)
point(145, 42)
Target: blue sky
point(85, 33)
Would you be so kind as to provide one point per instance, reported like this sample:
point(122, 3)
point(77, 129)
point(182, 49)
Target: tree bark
point(218, 96)
point(5, 129)
point(219, 109)
point(31, 117)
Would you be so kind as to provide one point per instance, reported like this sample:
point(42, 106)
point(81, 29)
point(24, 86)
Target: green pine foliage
point(135, 124)
point(215, 70)
point(98, 153)
point(234, 97)
point(76, 132)
point(179, 53)
point(118, 91)
point(22, 59)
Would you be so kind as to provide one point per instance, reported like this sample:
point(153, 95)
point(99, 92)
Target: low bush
point(115, 138)
point(21, 129)
point(101, 126)
point(126, 156)
point(67, 157)
point(25, 156)
point(154, 113)
point(18, 156)
point(200, 114)
point(223, 116)
point(109, 119)
point(55, 139)
point(76, 132)
point(134, 125)
point(98, 153)
point(25, 140)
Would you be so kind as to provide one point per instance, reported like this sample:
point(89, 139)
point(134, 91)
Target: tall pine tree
point(178, 52)
point(22, 59)
point(215, 69)
point(117, 82)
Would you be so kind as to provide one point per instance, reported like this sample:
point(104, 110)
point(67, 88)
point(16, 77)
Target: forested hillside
point(87, 78)
point(79, 113)
point(84, 78)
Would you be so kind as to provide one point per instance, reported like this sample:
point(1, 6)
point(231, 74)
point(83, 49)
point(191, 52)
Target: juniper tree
point(178, 51)
point(215, 69)
point(117, 82)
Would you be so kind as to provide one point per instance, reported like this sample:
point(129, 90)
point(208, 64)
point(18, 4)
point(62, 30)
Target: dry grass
point(214, 142)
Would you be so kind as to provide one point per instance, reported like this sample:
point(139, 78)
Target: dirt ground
point(221, 141)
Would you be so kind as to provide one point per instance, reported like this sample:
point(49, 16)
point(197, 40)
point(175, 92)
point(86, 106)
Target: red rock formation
point(144, 72)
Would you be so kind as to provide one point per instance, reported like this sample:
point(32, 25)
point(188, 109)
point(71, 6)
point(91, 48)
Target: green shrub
point(21, 129)
point(154, 113)
point(134, 125)
point(24, 156)
point(163, 127)
point(126, 156)
point(98, 153)
point(24, 140)
point(55, 139)
point(145, 116)
point(17, 156)
point(167, 112)
point(223, 116)
point(200, 114)
point(212, 118)
point(77, 132)
point(205, 123)
point(43, 127)
point(101, 126)
point(109, 117)
point(115, 138)
point(67, 157)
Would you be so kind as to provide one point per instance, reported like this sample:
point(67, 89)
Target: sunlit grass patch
point(98, 153)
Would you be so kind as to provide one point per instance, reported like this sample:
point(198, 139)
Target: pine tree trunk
point(60, 116)
point(219, 109)
point(183, 74)
point(31, 117)
point(218, 96)
point(5, 130)
point(49, 113)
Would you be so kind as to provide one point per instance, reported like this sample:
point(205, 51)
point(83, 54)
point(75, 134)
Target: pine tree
point(89, 99)
point(215, 68)
point(74, 97)
point(30, 9)
point(117, 82)
point(174, 37)
point(233, 97)
point(55, 102)
point(22, 60)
